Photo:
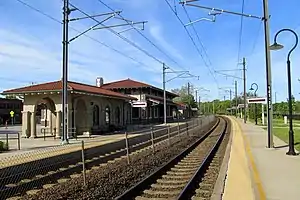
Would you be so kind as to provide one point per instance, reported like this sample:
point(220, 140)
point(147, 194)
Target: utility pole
point(236, 99)
point(196, 91)
point(268, 73)
point(275, 97)
point(268, 60)
point(230, 101)
point(189, 113)
point(66, 13)
point(200, 104)
point(245, 95)
point(164, 88)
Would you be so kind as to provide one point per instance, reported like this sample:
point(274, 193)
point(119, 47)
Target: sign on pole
point(12, 116)
point(262, 100)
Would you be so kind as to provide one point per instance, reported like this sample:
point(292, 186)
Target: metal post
point(268, 74)
point(230, 101)
point(19, 146)
point(83, 163)
point(178, 126)
point(44, 130)
point(164, 88)
point(152, 140)
point(291, 132)
point(200, 105)
point(7, 141)
point(169, 135)
point(189, 107)
point(127, 147)
point(65, 72)
point(245, 95)
point(236, 100)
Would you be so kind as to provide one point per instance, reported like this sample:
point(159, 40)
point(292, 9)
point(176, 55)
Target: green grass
point(277, 122)
point(283, 134)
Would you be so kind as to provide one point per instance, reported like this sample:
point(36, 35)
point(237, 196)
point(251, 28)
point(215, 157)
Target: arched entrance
point(81, 117)
point(45, 116)
point(96, 115)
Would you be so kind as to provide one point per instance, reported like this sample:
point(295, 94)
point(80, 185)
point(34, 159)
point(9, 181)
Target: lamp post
point(277, 46)
point(255, 112)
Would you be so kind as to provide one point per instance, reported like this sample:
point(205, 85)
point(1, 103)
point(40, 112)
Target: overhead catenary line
point(240, 34)
point(196, 33)
point(119, 35)
point(87, 36)
point(192, 39)
point(143, 35)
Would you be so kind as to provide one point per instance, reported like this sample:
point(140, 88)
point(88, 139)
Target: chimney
point(99, 81)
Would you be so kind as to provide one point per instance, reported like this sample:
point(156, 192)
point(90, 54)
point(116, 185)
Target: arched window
point(96, 115)
point(118, 115)
point(107, 115)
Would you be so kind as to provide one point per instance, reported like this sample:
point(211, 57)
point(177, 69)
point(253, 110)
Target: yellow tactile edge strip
point(256, 177)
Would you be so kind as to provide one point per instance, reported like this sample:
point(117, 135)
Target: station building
point(149, 106)
point(91, 108)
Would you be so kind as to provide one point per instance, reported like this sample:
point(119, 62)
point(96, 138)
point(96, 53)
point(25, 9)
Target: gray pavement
point(279, 173)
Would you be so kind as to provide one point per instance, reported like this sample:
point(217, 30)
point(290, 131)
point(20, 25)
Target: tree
point(184, 97)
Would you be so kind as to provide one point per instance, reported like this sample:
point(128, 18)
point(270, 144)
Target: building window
point(107, 115)
point(135, 112)
point(118, 115)
point(96, 115)
point(127, 91)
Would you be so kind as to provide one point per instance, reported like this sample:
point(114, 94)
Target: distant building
point(8, 105)
point(149, 104)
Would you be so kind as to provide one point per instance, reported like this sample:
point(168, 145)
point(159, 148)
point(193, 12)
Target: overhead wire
point(197, 35)
point(240, 36)
point(256, 38)
point(193, 41)
point(118, 34)
point(85, 35)
point(143, 35)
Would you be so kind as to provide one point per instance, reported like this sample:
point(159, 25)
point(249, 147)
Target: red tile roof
point(128, 83)
point(72, 86)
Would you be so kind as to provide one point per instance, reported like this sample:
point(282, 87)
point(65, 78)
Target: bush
point(3, 146)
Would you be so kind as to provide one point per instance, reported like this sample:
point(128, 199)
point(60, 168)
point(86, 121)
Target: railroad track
point(187, 175)
point(49, 175)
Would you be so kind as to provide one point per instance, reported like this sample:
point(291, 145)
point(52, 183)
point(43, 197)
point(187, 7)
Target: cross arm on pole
point(178, 76)
point(188, 3)
point(119, 25)
point(99, 15)
point(228, 75)
point(92, 27)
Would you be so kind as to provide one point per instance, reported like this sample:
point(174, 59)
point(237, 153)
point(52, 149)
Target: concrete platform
point(256, 172)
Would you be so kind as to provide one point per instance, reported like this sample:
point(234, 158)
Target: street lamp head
point(251, 88)
point(276, 46)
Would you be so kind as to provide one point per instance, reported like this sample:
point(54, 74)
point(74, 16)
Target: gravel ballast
point(111, 180)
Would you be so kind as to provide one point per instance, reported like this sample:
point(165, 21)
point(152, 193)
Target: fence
point(33, 170)
point(6, 137)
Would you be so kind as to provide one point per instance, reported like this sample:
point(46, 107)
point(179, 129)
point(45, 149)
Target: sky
point(31, 44)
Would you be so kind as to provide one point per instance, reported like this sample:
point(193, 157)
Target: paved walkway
point(273, 174)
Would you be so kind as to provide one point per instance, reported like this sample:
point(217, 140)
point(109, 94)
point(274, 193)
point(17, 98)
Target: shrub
point(3, 146)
